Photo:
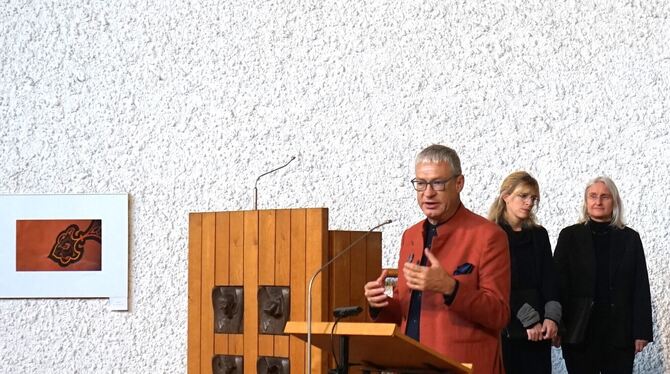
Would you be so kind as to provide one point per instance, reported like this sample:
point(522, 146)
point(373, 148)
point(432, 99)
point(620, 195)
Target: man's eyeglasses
point(436, 185)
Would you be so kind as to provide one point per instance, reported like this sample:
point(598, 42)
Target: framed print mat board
point(65, 246)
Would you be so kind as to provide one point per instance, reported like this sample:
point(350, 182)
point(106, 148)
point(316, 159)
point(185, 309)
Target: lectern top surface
point(377, 345)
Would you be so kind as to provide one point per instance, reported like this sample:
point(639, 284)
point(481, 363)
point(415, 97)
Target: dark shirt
point(414, 314)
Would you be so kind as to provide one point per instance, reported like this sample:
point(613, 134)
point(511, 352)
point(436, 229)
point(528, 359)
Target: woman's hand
point(549, 329)
point(535, 333)
point(639, 345)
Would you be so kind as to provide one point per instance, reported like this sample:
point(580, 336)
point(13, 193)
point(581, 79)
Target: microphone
point(347, 311)
point(311, 282)
point(264, 174)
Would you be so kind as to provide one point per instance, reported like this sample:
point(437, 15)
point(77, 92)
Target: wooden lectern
point(376, 347)
point(250, 250)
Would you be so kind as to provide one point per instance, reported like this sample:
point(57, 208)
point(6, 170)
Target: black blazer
point(535, 295)
point(629, 284)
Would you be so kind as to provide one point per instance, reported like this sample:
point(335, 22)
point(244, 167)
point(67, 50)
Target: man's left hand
point(428, 278)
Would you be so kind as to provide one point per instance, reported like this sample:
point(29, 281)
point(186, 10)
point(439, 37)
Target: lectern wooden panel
point(275, 248)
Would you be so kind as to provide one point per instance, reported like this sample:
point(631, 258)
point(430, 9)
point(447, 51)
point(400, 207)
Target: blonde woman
point(535, 310)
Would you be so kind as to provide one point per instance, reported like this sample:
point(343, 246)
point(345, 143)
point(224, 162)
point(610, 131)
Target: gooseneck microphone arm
point(264, 174)
point(311, 282)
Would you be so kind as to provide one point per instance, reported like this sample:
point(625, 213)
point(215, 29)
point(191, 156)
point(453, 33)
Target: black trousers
point(522, 356)
point(596, 354)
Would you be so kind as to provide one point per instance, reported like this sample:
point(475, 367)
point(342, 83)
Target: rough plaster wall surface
point(182, 105)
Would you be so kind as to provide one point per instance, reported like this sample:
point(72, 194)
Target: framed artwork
point(64, 246)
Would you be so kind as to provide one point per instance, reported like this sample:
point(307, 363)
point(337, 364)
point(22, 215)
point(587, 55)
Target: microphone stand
point(264, 174)
point(311, 282)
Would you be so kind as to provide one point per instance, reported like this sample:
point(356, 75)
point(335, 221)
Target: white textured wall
point(183, 104)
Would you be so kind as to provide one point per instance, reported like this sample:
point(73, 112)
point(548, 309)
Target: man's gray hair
point(438, 153)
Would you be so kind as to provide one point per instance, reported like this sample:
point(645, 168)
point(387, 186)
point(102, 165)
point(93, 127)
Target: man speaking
point(453, 291)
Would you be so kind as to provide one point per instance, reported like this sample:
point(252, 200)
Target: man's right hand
point(374, 292)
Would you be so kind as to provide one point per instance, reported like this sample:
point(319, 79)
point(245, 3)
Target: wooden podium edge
point(299, 329)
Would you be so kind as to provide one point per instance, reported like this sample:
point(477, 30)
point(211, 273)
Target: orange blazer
point(469, 329)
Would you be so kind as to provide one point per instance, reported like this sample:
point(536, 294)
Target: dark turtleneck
point(522, 257)
point(601, 233)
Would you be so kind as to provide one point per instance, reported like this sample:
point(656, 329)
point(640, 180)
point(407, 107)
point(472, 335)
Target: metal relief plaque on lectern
point(228, 303)
point(223, 364)
point(274, 307)
point(272, 365)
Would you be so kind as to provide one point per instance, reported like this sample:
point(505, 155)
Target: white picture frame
point(111, 281)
